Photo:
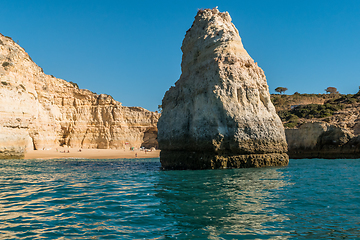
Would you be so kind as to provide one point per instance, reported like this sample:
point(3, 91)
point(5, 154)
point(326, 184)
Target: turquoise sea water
point(134, 199)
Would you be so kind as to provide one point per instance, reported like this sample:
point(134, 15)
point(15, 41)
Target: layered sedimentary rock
point(39, 111)
point(322, 140)
point(219, 114)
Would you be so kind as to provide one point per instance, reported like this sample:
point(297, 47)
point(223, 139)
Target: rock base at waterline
point(180, 160)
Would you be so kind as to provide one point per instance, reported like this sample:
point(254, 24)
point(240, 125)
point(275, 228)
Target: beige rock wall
point(306, 137)
point(322, 140)
point(14, 142)
point(49, 112)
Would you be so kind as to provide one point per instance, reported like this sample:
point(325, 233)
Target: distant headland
point(320, 125)
point(40, 112)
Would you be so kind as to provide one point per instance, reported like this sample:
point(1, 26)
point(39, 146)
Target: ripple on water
point(133, 199)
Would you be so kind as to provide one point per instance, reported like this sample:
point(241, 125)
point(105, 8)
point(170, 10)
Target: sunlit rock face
point(219, 114)
point(39, 111)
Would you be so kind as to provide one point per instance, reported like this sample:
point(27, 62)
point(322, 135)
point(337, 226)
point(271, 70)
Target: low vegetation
point(291, 118)
point(292, 108)
point(287, 102)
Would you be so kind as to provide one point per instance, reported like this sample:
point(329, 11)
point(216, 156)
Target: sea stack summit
point(219, 114)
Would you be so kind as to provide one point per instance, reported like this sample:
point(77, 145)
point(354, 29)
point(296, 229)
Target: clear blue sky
point(131, 49)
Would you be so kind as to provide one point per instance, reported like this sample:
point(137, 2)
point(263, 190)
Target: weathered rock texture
point(329, 127)
point(38, 111)
point(322, 140)
point(219, 114)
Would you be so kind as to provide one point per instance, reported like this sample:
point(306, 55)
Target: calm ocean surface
point(134, 199)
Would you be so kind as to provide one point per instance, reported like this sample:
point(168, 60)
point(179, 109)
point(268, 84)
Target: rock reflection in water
point(215, 203)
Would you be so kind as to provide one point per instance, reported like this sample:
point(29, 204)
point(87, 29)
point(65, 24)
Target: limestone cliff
point(321, 125)
point(219, 113)
point(39, 111)
point(322, 140)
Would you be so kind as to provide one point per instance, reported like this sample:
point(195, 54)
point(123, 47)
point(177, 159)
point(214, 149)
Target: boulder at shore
point(219, 114)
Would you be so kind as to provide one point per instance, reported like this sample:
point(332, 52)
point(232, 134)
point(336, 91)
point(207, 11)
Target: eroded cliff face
point(322, 140)
point(327, 129)
point(219, 113)
point(38, 111)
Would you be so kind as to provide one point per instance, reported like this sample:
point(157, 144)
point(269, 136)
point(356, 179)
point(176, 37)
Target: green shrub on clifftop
point(290, 120)
point(312, 111)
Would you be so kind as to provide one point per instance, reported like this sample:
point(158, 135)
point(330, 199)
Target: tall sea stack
point(219, 114)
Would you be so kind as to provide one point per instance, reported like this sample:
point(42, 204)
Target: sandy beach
point(90, 153)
